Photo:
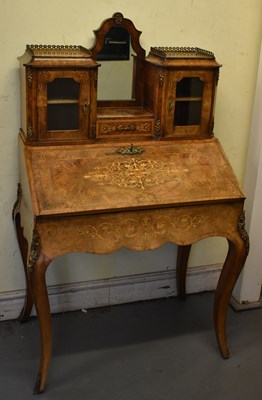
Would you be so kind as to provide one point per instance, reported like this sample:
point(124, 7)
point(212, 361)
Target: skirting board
point(107, 292)
point(245, 305)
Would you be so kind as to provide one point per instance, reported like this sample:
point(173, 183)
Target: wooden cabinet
point(180, 90)
point(58, 94)
point(172, 92)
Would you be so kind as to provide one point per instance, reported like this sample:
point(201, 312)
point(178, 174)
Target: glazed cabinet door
point(189, 103)
point(63, 105)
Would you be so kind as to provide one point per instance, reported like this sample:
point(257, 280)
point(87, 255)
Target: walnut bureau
point(97, 175)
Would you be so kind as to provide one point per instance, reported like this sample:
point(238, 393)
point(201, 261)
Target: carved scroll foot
point(237, 253)
point(181, 269)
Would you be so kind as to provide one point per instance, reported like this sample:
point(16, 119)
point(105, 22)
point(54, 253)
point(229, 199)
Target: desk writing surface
point(95, 178)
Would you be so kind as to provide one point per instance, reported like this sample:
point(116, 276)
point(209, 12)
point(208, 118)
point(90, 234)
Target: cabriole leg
point(36, 270)
point(237, 253)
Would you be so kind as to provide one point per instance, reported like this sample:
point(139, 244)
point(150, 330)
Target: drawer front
point(108, 128)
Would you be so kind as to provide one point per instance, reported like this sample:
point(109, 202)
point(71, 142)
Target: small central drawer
point(109, 127)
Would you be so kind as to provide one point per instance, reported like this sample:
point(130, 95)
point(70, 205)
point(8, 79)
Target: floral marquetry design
point(113, 128)
point(136, 173)
point(147, 226)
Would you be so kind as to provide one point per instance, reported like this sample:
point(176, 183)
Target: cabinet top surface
point(95, 178)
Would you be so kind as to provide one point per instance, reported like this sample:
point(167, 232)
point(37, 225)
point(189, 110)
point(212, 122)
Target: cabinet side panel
point(93, 104)
point(26, 206)
point(23, 97)
point(150, 88)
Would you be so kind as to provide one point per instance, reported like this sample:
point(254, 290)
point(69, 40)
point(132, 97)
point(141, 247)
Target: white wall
point(248, 289)
point(231, 29)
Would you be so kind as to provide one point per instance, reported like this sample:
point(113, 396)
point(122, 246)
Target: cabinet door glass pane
point(189, 87)
point(189, 93)
point(62, 104)
point(63, 88)
point(62, 117)
point(187, 113)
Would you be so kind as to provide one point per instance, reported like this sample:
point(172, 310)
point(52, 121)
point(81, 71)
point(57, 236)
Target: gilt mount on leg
point(34, 253)
point(243, 233)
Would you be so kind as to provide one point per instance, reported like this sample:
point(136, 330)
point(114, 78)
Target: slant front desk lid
point(99, 178)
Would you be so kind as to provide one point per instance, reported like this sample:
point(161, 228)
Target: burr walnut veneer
point(84, 187)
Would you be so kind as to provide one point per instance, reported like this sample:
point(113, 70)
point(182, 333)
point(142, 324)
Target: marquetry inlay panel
point(90, 178)
point(136, 173)
point(108, 128)
point(137, 230)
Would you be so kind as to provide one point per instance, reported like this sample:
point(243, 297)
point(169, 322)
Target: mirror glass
point(121, 57)
point(115, 79)
point(116, 71)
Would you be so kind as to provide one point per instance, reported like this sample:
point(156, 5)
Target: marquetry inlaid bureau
point(100, 172)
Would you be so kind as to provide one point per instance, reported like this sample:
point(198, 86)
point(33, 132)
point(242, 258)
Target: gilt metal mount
point(130, 150)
